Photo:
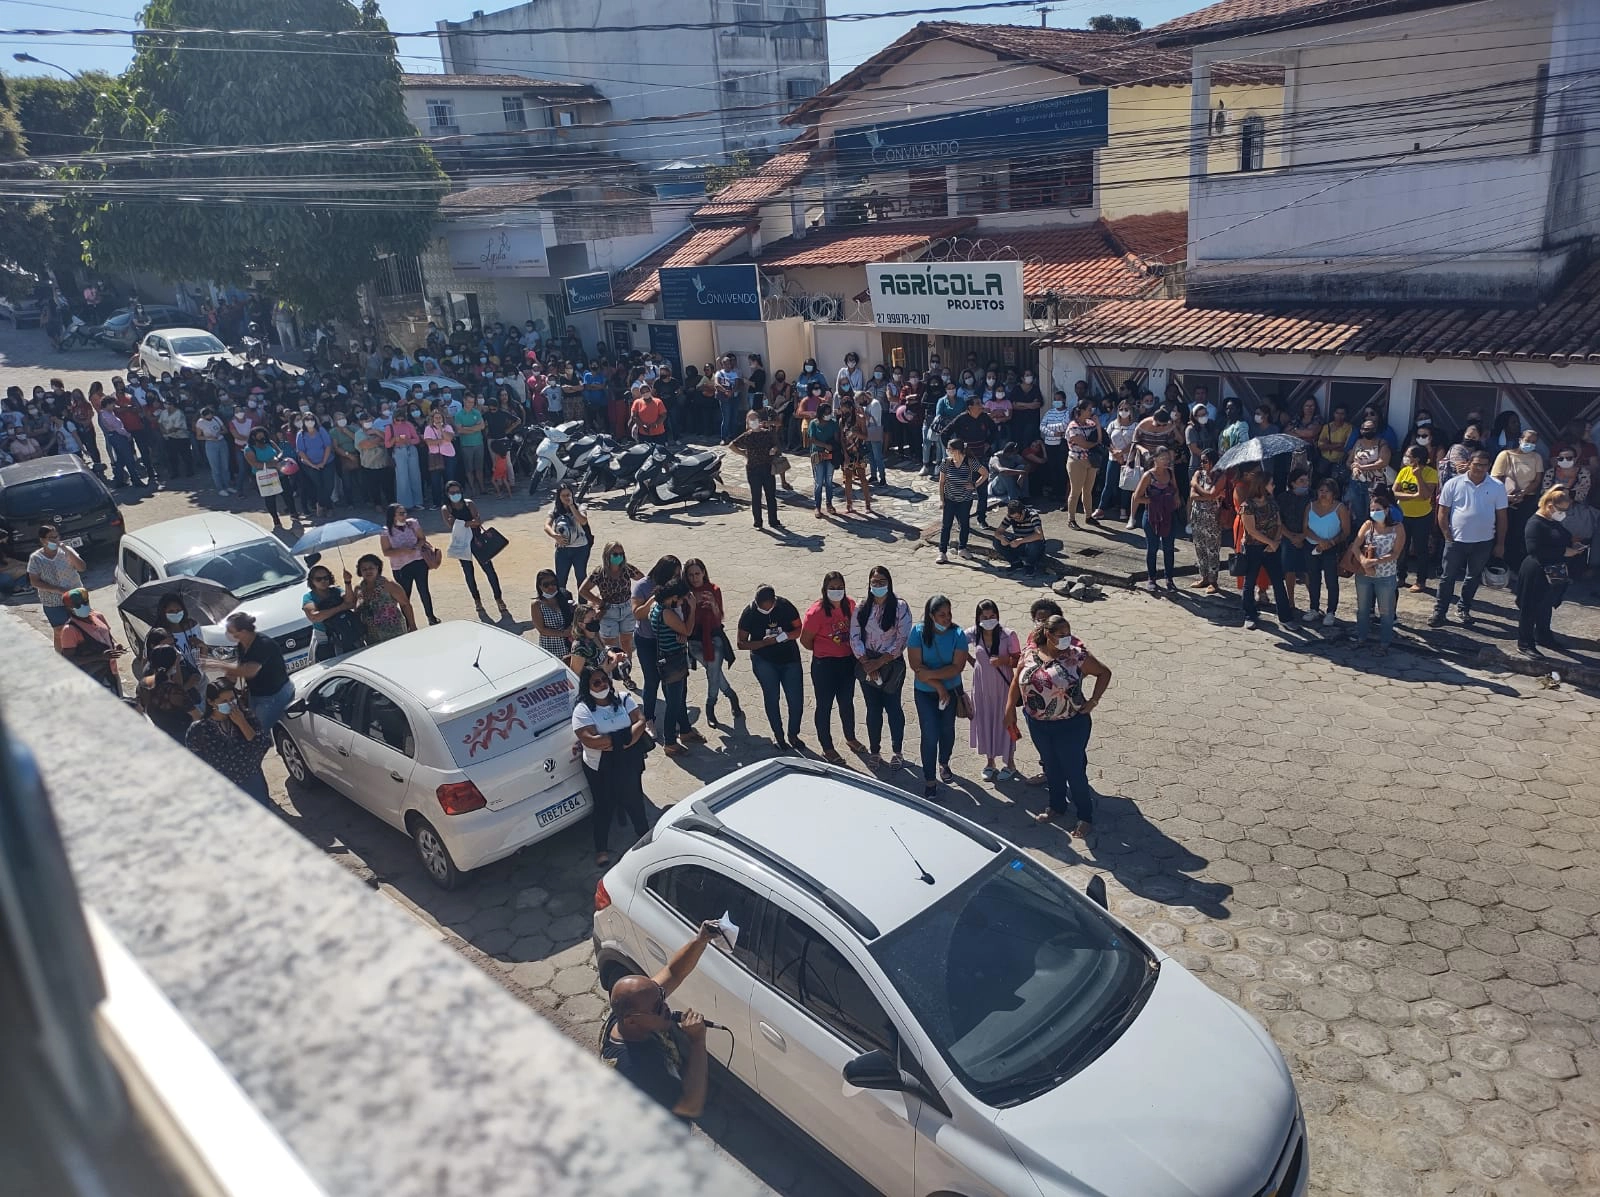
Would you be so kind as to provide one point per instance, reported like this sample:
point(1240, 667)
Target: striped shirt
point(1020, 527)
point(959, 481)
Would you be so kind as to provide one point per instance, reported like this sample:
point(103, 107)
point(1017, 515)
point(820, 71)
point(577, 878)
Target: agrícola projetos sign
point(947, 296)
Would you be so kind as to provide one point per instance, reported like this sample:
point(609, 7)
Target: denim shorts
point(617, 620)
point(56, 616)
point(1296, 558)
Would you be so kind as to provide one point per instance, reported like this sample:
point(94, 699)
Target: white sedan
point(459, 735)
point(174, 349)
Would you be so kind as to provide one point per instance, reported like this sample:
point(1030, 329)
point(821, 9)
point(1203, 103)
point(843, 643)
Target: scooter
point(548, 464)
point(667, 477)
point(77, 334)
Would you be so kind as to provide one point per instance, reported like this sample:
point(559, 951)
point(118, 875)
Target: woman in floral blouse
point(1048, 686)
point(228, 737)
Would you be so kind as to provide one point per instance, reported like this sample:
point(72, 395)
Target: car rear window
point(64, 493)
point(510, 722)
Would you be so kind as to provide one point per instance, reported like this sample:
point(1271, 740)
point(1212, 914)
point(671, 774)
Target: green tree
point(718, 177)
point(1111, 24)
point(57, 114)
point(25, 225)
point(318, 218)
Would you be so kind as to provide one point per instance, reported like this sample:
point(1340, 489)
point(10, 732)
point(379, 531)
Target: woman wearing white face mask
point(879, 634)
point(1521, 469)
point(937, 655)
point(54, 569)
point(995, 648)
point(1375, 555)
point(825, 633)
point(1048, 687)
point(229, 738)
point(609, 726)
point(1543, 577)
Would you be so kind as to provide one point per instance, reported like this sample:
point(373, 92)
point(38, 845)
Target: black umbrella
point(1274, 444)
point(209, 601)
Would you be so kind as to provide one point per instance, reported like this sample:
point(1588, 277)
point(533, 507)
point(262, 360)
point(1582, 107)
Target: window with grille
point(802, 89)
point(747, 16)
point(516, 115)
point(1067, 182)
point(1252, 143)
point(441, 114)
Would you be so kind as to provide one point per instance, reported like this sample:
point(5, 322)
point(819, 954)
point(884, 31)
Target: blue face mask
point(224, 708)
point(940, 627)
point(879, 591)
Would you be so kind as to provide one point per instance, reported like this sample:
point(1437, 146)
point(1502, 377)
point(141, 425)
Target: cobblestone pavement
point(1394, 864)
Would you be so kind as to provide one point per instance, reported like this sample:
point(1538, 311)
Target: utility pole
point(1044, 11)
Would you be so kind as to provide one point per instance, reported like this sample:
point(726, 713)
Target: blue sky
point(849, 42)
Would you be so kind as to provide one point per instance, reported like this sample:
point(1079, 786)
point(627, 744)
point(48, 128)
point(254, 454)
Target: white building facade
point(679, 94)
point(1419, 230)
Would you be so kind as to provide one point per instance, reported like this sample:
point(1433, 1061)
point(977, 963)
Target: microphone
point(677, 1016)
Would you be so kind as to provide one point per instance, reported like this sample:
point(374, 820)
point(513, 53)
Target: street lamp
point(20, 57)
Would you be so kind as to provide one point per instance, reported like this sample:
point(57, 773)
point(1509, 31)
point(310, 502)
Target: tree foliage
point(318, 218)
point(57, 114)
point(719, 176)
point(1111, 24)
point(26, 235)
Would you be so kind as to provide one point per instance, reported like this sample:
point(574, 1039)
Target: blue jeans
point(574, 562)
point(937, 730)
point(269, 708)
point(932, 448)
point(1152, 542)
point(875, 455)
point(1111, 493)
point(1063, 746)
point(789, 678)
point(123, 463)
point(675, 715)
point(1030, 554)
point(822, 483)
point(256, 786)
point(1384, 592)
point(1462, 560)
point(881, 701)
point(217, 462)
point(732, 418)
point(646, 648)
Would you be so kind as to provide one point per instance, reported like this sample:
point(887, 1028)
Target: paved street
point(1394, 865)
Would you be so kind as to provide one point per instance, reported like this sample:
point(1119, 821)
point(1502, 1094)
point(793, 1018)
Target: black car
point(117, 331)
point(62, 491)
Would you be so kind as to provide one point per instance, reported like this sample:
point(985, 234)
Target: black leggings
point(472, 581)
point(1419, 546)
point(881, 701)
point(415, 574)
point(615, 786)
point(834, 681)
point(1324, 569)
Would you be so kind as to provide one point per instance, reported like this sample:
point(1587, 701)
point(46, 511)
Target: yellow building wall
point(1145, 168)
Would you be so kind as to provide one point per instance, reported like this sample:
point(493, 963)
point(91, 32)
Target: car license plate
point(560, 810)
point(74, 542)
point(297, 662)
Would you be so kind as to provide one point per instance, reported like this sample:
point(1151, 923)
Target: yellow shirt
point(1406, 483)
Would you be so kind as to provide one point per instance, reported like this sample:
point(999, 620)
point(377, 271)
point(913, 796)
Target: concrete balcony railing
point(1415, 210)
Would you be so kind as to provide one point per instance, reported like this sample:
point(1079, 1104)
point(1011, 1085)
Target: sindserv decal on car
point(511, 723)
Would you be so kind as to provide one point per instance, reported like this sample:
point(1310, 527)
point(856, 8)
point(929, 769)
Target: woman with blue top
point(938, 655)
point(879, 633)
point(822, 440)
point(314, 447)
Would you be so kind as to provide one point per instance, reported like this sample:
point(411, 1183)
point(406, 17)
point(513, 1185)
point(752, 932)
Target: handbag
point(431, 556)
point(674, 668)
point(460, 547)
point(487, 543)
point(891, 677)
point(1236, 565)
point(1557, 572)
point(963, 705)
point(268, 482)
point(1131, 476)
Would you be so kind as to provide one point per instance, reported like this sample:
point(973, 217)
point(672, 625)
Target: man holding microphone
point(638, 1039)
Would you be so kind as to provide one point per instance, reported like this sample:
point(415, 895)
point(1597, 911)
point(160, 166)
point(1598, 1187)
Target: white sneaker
point(966, 554)
point(1130, 525)
point(1311, 616)
point(224, 491)
point(1328, 620)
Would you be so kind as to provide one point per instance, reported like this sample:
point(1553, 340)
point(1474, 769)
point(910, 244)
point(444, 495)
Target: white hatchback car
point(940, 1012)
point(459, 735)
point(169, 350)
point(236, 554)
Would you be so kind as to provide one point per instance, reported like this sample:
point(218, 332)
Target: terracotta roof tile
point(856, 245)
point(1108, 59)
point(1154, 237)
point(505, 195)
point(638, 283)
point(1082, 262)
point(1235, 18)
point(1566, 328)
point(742, 198)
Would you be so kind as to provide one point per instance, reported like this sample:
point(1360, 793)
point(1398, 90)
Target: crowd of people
point(1351, 501)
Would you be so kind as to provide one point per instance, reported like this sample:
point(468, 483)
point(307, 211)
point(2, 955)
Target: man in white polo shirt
point(1472, 516)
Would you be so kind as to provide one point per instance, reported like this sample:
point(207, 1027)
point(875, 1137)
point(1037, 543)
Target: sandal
point(1044, 816)
point(856, 746)
point(1083, 830)
point(674, 749)
point(946, 776)
point(989, 773)
point(929, 789)
point(897, 761)
point(832, 756)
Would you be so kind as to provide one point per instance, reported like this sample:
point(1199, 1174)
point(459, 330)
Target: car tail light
point(458, 797)
point(602, 899)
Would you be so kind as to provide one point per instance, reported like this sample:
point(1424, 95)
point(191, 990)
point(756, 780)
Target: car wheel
point(434, 855)
point(293, 759)
point(614, 970)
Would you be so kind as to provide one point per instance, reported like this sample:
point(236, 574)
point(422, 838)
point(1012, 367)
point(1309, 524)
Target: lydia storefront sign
point(1076, 121)
point(710, 292)
point(587, 292)
point(947, 296)
point(503, 251)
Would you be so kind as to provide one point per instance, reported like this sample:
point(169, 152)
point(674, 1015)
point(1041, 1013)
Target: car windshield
point(194, 346)
point(61, 495)
point(245, 569)
point(1018, 982)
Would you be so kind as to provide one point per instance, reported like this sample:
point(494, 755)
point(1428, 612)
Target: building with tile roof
point(1428, 237)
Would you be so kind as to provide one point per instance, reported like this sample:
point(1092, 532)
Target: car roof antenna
point(480, 668)
point(927, 877)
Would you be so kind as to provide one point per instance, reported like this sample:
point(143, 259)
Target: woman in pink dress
point(994, 655)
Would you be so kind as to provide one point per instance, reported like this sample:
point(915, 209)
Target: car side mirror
point(1096, 891)
point(298, 707)
point(877, 1070)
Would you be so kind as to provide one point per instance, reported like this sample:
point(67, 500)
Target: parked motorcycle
point(548, 463)
point(668, 477)
point(77, 334)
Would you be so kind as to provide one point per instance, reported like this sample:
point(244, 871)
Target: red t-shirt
point(651, 415)
point(832, 631)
